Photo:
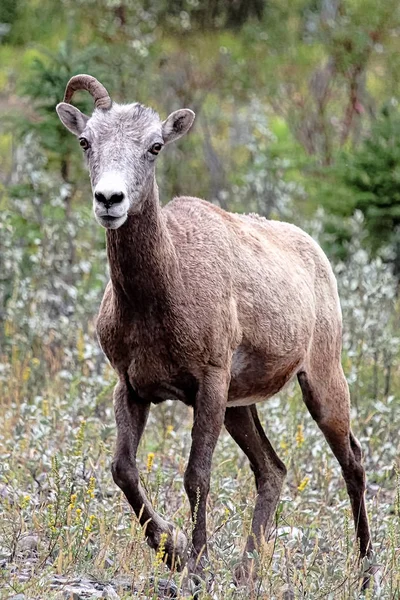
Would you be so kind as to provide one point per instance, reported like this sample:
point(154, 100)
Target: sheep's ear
point(72, 118)
point(177, 124)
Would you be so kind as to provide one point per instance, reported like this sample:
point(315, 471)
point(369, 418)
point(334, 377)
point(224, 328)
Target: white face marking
point(110, 200)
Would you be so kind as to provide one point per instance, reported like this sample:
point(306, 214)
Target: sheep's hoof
point(175, 549)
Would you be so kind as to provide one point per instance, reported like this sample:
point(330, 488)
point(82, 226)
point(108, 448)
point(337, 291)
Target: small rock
point(4, 492)
point(78, 592)
point(123, 582)
point(110, 593)
point(72, 593)
point(167, 588)
point(28, 545)
point(18, 597)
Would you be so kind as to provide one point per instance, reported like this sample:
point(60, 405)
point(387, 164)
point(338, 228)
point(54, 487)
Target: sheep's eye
point(84, 143)
point(155, 149)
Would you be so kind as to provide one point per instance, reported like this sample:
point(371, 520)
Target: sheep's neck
point(142, 259)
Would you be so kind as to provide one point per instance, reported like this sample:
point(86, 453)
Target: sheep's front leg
point(209, 412)
point(131, 416)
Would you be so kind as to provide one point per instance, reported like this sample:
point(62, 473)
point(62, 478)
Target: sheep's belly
point(256, 376)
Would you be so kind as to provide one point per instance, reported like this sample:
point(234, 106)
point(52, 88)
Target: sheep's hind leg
point(131, 416)
point(244, 426)
point(329, 405)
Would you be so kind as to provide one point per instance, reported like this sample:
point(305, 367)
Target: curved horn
point(91, 85)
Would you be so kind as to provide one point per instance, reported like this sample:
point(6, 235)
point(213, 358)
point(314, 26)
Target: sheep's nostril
point(100, 197)
point(109, 201)
point(115, 198)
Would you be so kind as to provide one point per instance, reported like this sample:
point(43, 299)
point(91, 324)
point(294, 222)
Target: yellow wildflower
point(45, 408)
point(150, 461)
point(26, 373)
point(90, 491)
point(78, 514)
point(226, 516)
point(80, 345)
point(170, 429)
point(161, 550)
point(89, 526)
point(300, 436)
point(303, 484)
point(25, 501)
point(72, 501)
point(80, 436)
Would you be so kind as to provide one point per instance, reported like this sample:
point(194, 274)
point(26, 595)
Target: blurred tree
point(124, 34)
point(8, 16)
point(374, 178)
point(318, 67)
point(45, 85)
point(368, 179)
point(31, 20)
point(213, 14)
point(323, 59)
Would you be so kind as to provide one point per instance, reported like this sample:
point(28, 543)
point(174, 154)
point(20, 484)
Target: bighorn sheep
point(215, 309)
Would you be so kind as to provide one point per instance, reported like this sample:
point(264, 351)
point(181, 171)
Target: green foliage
point(45, 86)
point(31, 20)
point(9, 11)
point(373, 176)
point(367, 179)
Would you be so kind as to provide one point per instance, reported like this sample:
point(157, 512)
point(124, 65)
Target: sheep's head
point(121, 143)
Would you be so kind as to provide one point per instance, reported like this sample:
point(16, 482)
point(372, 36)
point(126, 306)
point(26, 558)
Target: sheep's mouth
point(111, 222)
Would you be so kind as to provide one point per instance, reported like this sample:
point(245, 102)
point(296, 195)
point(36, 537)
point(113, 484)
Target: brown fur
point(221, 311)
